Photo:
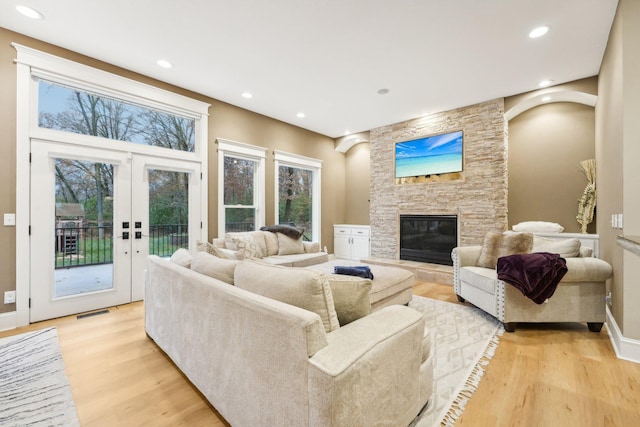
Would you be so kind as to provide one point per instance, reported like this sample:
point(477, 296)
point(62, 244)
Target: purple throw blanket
point(536, 275)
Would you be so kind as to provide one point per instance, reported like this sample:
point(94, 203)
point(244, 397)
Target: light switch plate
point(10, 297)
point(9, 219)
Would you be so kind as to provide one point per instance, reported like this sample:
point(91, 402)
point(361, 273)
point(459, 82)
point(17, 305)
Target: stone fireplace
point(428, 238)
point(478, 197)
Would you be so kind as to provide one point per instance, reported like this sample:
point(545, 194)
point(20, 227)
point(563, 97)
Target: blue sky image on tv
point(430, 155)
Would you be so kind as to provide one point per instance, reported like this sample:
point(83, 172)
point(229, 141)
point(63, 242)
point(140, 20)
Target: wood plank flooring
point(541, 375)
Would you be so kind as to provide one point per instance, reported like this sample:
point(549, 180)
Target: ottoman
point(390, 285)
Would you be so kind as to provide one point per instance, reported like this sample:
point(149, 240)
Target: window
point(241, 170)
point(79, 111)
point(298, 193)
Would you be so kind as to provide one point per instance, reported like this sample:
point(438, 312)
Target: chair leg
point(510, 326)
point(595, 326)
point(460, 299)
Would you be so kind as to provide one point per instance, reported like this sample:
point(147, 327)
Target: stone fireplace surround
point(478, 197)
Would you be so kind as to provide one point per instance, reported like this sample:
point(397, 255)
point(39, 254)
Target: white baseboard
point(625, 348)
point(8, 321)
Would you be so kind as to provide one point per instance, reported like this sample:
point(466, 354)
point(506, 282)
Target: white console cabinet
point(351, 241)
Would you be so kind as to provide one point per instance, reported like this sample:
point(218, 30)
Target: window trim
point(283, 158)
point(248, 152)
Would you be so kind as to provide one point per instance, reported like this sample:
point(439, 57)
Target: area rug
point(34, 390)
point(464, 339)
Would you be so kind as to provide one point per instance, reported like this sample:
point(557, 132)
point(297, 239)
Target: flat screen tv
point(429, 155)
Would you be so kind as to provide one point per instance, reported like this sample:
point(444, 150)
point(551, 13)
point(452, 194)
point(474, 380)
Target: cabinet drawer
point(360, 232)
point(342, 231)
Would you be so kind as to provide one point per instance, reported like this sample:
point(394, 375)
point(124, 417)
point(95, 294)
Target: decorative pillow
point(311, 247)
point(566, 248)
point(217, 251)
point(289, 246)
point(182, 257)
point(303, 288)
point(350, 297)
point(271, 240)
point(538, 227)
point(248, 247)
point(212, 266)
point(497, 245)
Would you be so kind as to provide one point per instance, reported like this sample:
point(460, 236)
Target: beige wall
point(546, 143)
point(617, 154)
point(357, 184)
point(225, 121)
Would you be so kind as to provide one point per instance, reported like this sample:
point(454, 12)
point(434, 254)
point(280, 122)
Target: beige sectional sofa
point(270, 351)
point(274, 248)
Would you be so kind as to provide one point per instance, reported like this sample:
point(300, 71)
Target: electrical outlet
point(609, 299)
point(10, 297)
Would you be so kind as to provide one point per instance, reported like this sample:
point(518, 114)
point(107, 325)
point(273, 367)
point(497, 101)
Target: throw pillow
point(566, 248)
point(289, 246)
point(538, 227)
point(257, 236)
point(182, 257)
point(350, 297)
point(212, 266)
point(271, 240)
point(497, 245)
point(219, 252)
point(248, 247)
point(303, 288)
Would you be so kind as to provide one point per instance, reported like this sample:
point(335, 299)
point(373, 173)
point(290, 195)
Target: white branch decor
point(587, 203)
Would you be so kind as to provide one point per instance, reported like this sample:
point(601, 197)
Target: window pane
point(239, 219)
point(295, 198)
point(238, 181)
point(168, 211)
point(77, 111)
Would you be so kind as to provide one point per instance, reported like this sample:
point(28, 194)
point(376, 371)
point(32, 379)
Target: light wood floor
point(541, 375)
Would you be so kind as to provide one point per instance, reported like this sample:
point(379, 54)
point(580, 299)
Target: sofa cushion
point(306, 289)
point(480, 277)
point(182, 257)
point(497, 245)
point(289, 246)
point(566, 248)
point(350, 297)
point(213, 266)
point(271, 240)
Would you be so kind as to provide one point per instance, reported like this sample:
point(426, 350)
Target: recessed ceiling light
point(545, 83)
point(300, 115)
point(164, 63)
point(29, 12)
point(538, 32)
point(247, 95)
point(546, 99)
point(383, 91)
point(347, 132)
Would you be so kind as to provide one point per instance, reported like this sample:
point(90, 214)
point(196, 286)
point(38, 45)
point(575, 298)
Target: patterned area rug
point(464, 339)
point(34, 390)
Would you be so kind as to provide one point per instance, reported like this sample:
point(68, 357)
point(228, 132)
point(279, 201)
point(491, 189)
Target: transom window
point(79, 111)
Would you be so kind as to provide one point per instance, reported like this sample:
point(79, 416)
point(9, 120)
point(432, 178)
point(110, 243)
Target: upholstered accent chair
point(579, 297)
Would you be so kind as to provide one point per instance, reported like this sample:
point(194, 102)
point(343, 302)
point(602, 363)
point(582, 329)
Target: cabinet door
point(359, 247)
point(342, 246)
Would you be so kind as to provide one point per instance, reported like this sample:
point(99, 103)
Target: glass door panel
point(83, 227)
point(168, 211)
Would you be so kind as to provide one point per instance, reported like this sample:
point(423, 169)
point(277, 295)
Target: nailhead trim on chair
point(500, 297)
point(456, 268)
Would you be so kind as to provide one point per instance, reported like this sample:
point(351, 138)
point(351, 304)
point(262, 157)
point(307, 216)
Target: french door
point(96, 214)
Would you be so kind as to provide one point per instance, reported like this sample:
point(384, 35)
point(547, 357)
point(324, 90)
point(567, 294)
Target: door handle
point(124, 236)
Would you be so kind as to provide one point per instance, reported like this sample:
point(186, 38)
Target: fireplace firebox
point(428, 238)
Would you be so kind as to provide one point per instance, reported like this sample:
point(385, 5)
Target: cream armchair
point(579, 297)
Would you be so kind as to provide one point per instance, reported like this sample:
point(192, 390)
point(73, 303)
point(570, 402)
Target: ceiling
point(329, 58)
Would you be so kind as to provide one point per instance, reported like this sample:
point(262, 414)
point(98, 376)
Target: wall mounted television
point(429, 155)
